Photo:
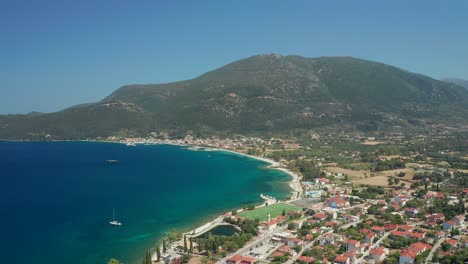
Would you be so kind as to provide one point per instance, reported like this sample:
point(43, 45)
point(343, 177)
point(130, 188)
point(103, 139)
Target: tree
point(185, 243)
point(164, 246)
point(158, 252)
point(396, 181)
point(147, 259)
point(191, 245)
point(390, 181)
point(283, 213)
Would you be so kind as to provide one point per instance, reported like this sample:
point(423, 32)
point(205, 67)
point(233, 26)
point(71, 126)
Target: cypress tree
point(164, 246)
point(158, 252)
point(185, 243)
point(191, 246)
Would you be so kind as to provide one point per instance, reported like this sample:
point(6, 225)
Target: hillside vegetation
point(262, 94)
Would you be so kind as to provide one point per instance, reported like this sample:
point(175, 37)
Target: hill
point(262, 94)
point(457, 81)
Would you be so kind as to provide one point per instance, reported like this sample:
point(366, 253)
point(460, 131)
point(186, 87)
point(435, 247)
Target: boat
point(114, 222)
point(131, 144)
point(112, 161)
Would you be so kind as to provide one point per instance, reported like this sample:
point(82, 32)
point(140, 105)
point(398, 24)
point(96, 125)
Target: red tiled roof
point(377, 251)
point(419, 247)
point(408, 253)
point(305, 259)
point(285, 249)
point(452, 242)
point(341, 258)
point(378, 228)
point(354, 242)
point(277, 254)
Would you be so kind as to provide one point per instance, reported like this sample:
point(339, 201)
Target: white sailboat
point(114, 222)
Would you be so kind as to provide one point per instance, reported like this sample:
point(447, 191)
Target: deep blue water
point(56, 199)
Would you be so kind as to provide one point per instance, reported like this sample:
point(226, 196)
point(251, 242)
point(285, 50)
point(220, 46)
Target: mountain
point(260, 95)
point(458, 81)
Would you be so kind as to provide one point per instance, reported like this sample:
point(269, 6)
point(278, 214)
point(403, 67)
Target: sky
point(55, 54)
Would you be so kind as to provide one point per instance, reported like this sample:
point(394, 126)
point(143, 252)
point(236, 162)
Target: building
point(378, 254)
point(448, 225)
point(239, 259)
point(294, 241)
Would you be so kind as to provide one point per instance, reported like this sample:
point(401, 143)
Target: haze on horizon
point(56, 54)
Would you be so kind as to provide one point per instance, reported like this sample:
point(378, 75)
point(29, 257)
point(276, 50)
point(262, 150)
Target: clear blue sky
point(54, 54)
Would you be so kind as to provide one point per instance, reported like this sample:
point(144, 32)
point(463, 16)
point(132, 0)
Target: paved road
point(246, 247)
point(309, 245)
point(376, 245)
point(434, 248)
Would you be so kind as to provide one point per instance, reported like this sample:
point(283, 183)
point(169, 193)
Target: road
point(434, 248)
point(246, 247)
point(376, 245)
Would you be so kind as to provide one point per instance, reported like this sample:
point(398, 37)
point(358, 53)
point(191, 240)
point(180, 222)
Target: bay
point(56, 198)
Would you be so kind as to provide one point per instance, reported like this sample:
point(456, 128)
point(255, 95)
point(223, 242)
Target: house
point(395, 233)
point(239, 259)
point(320, 216)
point(342, 259)
point(305, 259)
point(407, 256)
point(337, 202)
point(405, 228)
point(434, 195)
point(451, 242)
point(411, 211)
point(439, 234)
point(448, 225)
point(270, 225)
point(390, 227)
point(419, 247)
point(351, 218)
point(285, 249)
point(414, 235)
point(378, 254)
point(459, 219)
point(379, 230)
point(370, 237)
point(400, 199)
point(437, 218)
point(352, 245)
point(292, 242)
point(327, 239)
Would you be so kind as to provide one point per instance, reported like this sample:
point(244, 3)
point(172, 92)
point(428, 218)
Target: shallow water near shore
point(56, 198)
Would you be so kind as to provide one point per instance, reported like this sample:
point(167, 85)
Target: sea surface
point(56, 198)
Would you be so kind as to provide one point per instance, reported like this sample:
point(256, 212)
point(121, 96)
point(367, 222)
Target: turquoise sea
point(56, 198)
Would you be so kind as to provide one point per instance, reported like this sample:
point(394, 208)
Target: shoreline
point(294, 183)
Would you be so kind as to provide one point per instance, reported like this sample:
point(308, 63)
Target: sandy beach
point(294, 184)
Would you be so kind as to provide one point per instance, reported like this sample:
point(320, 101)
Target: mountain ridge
point(261, 94)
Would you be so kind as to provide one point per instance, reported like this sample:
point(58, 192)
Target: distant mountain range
point(458, 81)
point(264, 94)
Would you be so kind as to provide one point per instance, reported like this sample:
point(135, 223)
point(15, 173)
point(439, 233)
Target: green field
point(274, 210)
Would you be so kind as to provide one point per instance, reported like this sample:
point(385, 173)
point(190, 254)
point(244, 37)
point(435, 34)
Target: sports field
point(274, 210)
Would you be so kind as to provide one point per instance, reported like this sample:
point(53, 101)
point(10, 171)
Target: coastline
point(213, 220)
point(294, 184)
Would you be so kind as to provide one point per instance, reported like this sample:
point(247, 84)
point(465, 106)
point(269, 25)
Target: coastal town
point(376, 200)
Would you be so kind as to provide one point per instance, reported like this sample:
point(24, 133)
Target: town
point(361, 200)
